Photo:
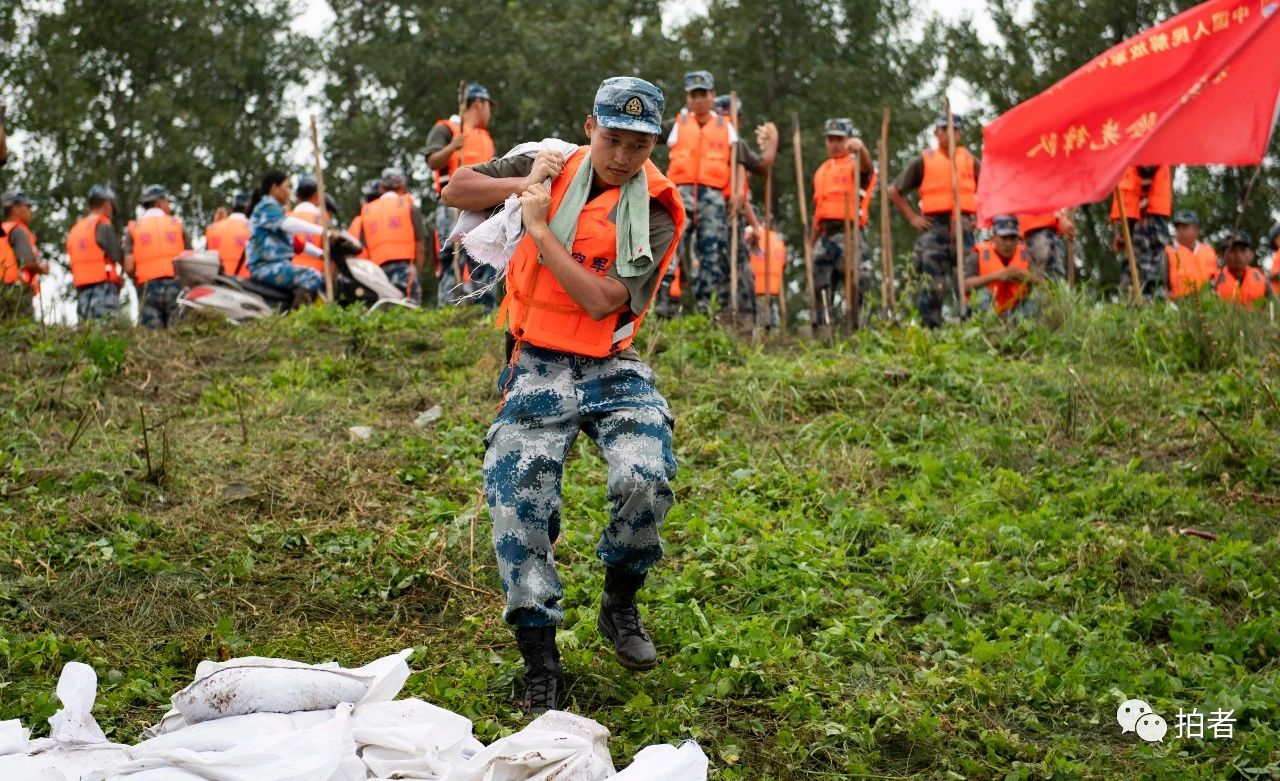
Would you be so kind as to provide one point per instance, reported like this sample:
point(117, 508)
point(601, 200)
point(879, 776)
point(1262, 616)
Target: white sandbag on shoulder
point(324, 752)
point(667, 763)
point(257, 684)
point(225, 734)
point(555, 746)
point(412, 739)
point(13, 737)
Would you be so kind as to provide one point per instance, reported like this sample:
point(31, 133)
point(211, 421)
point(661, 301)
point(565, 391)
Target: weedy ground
point(901, 555)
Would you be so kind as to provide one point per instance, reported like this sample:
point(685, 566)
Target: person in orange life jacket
point(150, 245)
point(701, 142)
point(1147, 193)
point(1273, 245)
point(1239, 281)
point(767, 272)
point(306, 195)
point(1003, 270)
point(578, 288)
point(96, 257)
point(20, 263)
point(1191, 263)
point(372, 192)
point(1042, 233)
point(229, 237)
point(935, 248)
point(831, 183)
point(739, 203)
point(393, 230)
point(451, 144)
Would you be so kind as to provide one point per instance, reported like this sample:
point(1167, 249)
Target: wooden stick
point(1128, 249)
point(957, 226)
point(848, 265)
point(888, 291)
point(804, 220)
point(733, 214)
point(457, 213)
point(768, 253)
point(855, 261)
point(1071, 251)
point(324, 211)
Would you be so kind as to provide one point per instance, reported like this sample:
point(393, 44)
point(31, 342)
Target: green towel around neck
point(635, 256)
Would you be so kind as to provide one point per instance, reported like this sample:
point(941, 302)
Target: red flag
point(1199, 89)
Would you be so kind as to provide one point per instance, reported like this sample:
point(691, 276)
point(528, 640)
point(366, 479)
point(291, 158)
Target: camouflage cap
point(154, 192)
point(240, 200)
point(699, 80)
point(1273, 235)
point(393, 177)
point(956, 119)
point(15, 198)
point(838, 127)
point(629, 103)
point(1005, 225)
point(101, 192)
point(477, 92)
point(722, 104)
point(1241, 238)
point(372, 189)
point(1186, 217)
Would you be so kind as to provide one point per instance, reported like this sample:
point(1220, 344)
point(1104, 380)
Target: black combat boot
point(541, 668)
point(620, 621)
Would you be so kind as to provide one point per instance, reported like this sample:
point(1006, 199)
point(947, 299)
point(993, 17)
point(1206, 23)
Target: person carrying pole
point(579, 285)
point(833, 186)
point(935, 248)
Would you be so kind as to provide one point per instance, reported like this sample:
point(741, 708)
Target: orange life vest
point(1006, 294)
point(388, 229)
point(89, 262)
point(354, 230)
point(541, 313)
point(1159, 196)
point(1243, 292)
point(831, 181)
point(1034, 222)
point(302, 258)
point(156, 241)
point(9, 266)
point(477, 147)
point(768, 274)
point(229, 238)
point(935, 187)
point(1190, 270)
point(701, 152)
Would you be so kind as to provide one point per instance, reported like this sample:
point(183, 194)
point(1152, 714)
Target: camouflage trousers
point(97, 302)
point(1150, 237)
point(286, 276)
point(935, 261)
point(1046, 253)
point(828, 271)
point(16, 302)
point(404, 275)
point(704, 250)
point(550, 397)
point(158, 303)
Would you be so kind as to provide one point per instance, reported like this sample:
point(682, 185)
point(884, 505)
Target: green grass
point(908, 555)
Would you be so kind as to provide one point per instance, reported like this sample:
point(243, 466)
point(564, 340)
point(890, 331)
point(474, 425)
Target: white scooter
point(207, 288)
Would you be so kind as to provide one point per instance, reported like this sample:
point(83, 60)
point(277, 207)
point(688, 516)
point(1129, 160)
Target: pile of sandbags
point(259, 719)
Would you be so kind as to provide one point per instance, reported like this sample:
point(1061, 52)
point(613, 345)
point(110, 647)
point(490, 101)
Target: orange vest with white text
point(1159, 196)
point(935, 187)
point(700, 154)
point(831, 181)
point(156, 241)
point(768, 274)
point(89, 262)
point(354, 230)
point(1034, 222)
point(1006, 294)
point(1190, 270)
point(229, 238)
point(11, 271)
point(388, 229)
point(1243, 292)
point(477, 147)
point(302, 258)
point(541, 313)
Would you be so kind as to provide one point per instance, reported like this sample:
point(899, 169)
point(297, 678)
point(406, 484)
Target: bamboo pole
point(1128, 249)
point(457, 213)
point(888, 292)
point(733, 214)
point(1071, 251)
point(324, 211)
point(804, 220)
point(855, 262)
point(850, 323)
point(957, 226)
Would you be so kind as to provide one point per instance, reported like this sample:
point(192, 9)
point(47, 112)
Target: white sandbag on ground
point(74, 722)
point(13, 737)
point(667, 763)
point(255, 684)
point(556, 746)
point(49, 761)
point(324, 752)
point(412, 739)
point(224, 734)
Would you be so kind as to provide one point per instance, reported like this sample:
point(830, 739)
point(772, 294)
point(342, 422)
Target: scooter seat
point(268, 292)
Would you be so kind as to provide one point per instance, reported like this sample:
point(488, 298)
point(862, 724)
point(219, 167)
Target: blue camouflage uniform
point(158, 303)
point(97, 302)
point(271, 252)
